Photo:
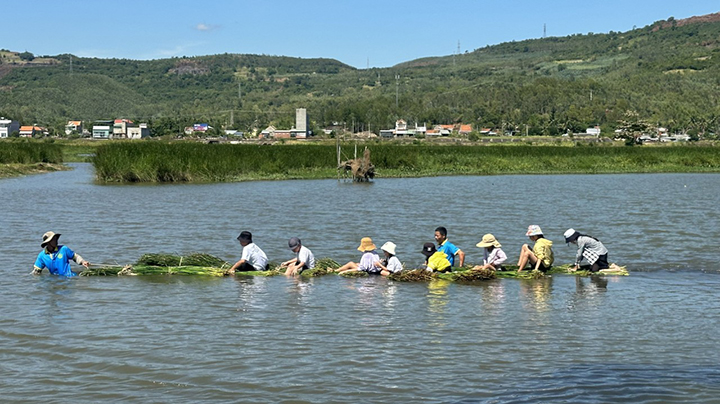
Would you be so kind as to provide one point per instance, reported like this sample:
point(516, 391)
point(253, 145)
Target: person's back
point(367, 262)
point(255, 256)
point(306, 256)
point(543, 251)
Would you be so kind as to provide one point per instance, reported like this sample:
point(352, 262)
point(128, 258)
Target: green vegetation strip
point(29, 152)
point(197, 162)
point(209, 265)
point(21, 157)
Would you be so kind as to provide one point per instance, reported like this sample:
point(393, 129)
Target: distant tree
point(26, 56)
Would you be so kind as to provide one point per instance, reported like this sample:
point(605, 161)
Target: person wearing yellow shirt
point(436, 260)
point(540, 257)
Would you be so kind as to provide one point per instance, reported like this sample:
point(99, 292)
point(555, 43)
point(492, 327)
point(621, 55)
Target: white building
point(7, 127)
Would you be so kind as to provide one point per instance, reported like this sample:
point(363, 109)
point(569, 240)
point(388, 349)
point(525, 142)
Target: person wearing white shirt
point(391, 264)
point(252, 259)
point(304, 258)
point(494, 256)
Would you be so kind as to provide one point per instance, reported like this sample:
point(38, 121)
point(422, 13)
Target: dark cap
point(245, 236)
point(294, 243)
point(428, 249)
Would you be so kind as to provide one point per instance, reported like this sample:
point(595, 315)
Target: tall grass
point(195, 162)
point(29, 152)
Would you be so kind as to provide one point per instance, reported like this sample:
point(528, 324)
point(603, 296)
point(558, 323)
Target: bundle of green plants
point(469, 275)
point(170, 260)
point(152, 270)
point(29, 152)
point(413, 275)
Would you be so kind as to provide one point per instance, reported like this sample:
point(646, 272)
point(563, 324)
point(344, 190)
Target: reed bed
point(29, 152)
point(196, 162)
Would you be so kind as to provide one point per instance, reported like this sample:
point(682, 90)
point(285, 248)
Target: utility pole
point(71, 65)
point(240, 91)
point(590, 95)
point(544, 30)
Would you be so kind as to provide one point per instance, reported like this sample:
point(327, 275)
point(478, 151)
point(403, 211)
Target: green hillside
point(668, 73)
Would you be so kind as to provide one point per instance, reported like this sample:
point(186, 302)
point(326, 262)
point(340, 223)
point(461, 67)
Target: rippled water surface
point(649, 337)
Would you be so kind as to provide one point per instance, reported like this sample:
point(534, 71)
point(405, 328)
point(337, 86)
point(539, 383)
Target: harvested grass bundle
point(169, 260)
point(326, 263)
point(470, 275)
point(153, 270)
point(415, 275)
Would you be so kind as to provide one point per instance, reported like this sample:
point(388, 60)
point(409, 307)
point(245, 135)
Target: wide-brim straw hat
point(487, 241)
point(47, 237)
point(366, 244)
point(389, 247)
point(534, 230)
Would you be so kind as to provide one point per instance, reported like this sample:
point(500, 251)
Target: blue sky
point(359, 33)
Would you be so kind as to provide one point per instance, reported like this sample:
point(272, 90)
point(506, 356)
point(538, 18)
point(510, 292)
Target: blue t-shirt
point(58, 263)
point(450, 250)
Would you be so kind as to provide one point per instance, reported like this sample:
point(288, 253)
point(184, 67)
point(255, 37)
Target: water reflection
point(437, 305)
point(536, 294)
point(252, 292)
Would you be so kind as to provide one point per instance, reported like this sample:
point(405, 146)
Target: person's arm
point(461, 256)
point(38, 267)
point(80, 261)
point(500, 258)
point(237, 264)
point(288, 262)
point(381, 266)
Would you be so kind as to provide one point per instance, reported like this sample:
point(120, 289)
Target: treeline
point(667, 77)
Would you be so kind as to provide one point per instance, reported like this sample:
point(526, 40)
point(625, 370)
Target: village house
point(299, 131)
point(465, 129)
point(8, 127)
point(32, 131)
point(73, 127)
point(589, 133)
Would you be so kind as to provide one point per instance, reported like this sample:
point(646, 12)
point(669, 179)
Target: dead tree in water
point(362, 169)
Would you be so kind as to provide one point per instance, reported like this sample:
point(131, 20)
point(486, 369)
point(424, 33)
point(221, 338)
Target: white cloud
point(206, 27)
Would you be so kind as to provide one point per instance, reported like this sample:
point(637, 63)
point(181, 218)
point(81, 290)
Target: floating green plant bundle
point(323, 266)
point(209, 265)
point(194, 259)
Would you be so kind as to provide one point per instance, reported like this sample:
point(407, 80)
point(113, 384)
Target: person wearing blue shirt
point(56, 258)
point(448, 248)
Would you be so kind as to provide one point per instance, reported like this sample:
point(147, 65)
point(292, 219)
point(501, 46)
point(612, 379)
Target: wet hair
point(442, 230)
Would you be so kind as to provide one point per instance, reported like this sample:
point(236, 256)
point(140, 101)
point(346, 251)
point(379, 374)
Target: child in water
point(541, 255)
point(391, 264)
point(436, 261)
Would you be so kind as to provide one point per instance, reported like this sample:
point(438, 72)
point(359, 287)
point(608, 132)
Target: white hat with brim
point(389, 247)
point(47, 237)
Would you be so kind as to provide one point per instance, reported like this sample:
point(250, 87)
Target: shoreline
point(19, 170)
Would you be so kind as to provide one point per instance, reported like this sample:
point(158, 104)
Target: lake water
point(650, 337)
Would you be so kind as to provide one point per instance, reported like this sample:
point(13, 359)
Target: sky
point(362, 33)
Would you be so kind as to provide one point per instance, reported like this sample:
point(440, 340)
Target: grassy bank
point(195, 162)
point(20, 157)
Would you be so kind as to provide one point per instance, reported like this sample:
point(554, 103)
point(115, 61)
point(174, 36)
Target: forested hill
point(667, 73)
